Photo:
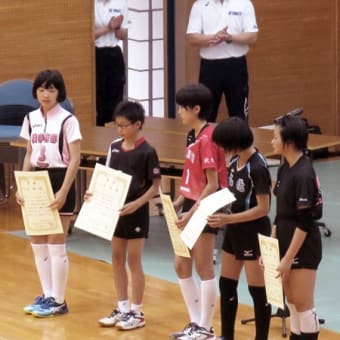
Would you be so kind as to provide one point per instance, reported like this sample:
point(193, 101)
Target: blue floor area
point(158, 253)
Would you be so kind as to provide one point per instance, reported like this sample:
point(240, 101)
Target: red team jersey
point(202, 154)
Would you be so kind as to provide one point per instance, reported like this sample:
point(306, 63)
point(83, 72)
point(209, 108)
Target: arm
point(261, 209)
point(71, 172)
point(121, 33)
point(27, 166)
point(211, 187)
point(244, 38)
point(178, 203)
point(132, 206)
point(113, 26)
point(201, 40)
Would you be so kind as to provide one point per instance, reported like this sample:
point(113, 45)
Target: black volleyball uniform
point(295, 188)
point(245, 183)
point(143, 165)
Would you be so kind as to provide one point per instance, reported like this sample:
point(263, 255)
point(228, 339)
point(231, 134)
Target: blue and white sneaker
point(50, 308)
point(188, 329)
point(131, 320)
point(38, 301)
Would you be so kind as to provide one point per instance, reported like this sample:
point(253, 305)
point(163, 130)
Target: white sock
point(191, 296)
point(124, 306)
point(136, 308)
point(59, 263)
point(208, 302)
point(294, 319)
point(43, 265)
point(309, 322)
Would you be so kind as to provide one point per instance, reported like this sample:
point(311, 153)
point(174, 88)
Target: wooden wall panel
point(36, 35)
point(293, 64)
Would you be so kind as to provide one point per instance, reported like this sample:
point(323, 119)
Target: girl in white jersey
point(53, 144)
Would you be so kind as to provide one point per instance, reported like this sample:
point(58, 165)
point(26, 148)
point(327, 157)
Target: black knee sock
point(262, 311)
point(309, 336)
point(294, 336)
point(229, 303)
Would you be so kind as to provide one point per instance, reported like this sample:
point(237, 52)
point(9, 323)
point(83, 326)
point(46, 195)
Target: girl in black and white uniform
point(249, 180)
point(296, 191)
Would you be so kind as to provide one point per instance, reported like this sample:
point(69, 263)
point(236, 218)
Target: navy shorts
point(57, 176)
point(135, 225)
point(310, 253)
point(241, 239)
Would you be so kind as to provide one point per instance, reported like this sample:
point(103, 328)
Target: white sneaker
point(131, 320)
point(199, 333)
point(112, 319)
point(188, 329)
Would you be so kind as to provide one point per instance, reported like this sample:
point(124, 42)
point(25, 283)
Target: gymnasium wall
point(295, 62)
point(36, 34)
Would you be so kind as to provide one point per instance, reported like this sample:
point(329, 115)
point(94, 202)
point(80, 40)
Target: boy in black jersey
point(249, 180)
point(299, 239)
point(133, 155)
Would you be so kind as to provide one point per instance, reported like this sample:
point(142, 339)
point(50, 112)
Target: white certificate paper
point(198, 220)
point(270, 255)
point(99, 214)
point(35, 188)
point(180, 249)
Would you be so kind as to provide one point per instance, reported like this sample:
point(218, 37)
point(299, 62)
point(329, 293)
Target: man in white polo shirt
point(224, 29)
point(111, 26)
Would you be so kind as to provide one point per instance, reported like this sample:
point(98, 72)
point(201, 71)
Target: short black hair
point(233, 134)
point(131, 110)
point(46, 79)
point(195, 94)
point(293, 130)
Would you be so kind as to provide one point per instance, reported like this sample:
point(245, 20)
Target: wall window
point(144, 53)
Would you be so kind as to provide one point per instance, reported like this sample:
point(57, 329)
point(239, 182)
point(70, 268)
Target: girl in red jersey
point(204, 172)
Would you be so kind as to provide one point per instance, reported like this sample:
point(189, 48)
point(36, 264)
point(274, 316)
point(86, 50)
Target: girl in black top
point(299, 239)
point(249, 180)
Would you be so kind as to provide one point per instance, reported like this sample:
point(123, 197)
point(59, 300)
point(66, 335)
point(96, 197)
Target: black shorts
point(241, 239)
point(310, 254)
point(57, 176)
point(135, 225)
point(187, 205)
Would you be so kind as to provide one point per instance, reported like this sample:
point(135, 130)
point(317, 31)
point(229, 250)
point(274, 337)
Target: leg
point(203, 253)
point(236, 88)
point(299, 288)
point(120, 277)
point(59, 260)
point(115, 80)
point(209, 76)
point(230, 273)
point(189, 288)
point(42, 263)
point(262, 309)
point(135, 249)
point(101, 75)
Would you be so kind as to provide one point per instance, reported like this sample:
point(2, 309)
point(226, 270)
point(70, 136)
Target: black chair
point(16, 100)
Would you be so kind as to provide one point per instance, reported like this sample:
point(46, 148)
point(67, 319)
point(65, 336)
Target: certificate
point(35, 188)
point(270, 255)
point(198, 220)
point(180, 249)
point(99, 214)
